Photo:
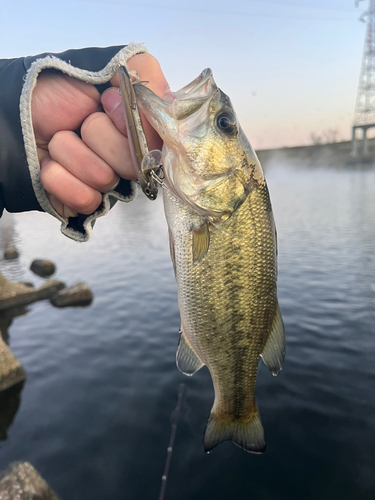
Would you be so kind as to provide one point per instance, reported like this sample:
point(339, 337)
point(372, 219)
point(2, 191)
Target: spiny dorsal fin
point(274, 351)
point(171, 250)
point(186, 358)
point(201, 242)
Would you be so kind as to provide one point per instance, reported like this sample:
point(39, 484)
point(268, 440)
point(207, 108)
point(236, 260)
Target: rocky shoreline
point(20, 479)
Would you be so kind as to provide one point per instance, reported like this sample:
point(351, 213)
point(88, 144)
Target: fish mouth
point(164, 114)
point(202, 86)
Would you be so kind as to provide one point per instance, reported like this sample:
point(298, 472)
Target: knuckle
point(91, 123)
point(87, 201)
point(104, 178)
point(59, 138)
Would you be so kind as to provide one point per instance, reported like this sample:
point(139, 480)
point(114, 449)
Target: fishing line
point(160, 178)
point(174, 421)
point(186, 416)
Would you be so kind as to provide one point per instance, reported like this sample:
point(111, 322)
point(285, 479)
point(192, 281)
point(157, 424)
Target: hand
point(75, 171)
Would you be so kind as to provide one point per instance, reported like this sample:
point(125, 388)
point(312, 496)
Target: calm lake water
point(95, 411)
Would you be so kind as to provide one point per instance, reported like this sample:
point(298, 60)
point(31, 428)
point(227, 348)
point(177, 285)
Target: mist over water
point(94, 416)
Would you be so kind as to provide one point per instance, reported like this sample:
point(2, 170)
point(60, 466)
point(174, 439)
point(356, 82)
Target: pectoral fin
point(274, 351)
point(201, 242)
point(186, 358)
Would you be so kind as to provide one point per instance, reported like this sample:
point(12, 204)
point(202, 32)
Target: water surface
point(94, 417)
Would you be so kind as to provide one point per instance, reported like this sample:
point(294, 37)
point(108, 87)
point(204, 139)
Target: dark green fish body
point(223, 246)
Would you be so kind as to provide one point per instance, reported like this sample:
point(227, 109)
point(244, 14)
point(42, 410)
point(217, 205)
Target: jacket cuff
point(77, 228)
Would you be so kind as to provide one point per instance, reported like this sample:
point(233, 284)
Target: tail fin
point(247, 434)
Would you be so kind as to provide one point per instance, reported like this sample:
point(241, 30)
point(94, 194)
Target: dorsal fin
point(274, 351)
point(171, 250)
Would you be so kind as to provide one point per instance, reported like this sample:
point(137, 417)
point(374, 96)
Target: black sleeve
point(16, 191)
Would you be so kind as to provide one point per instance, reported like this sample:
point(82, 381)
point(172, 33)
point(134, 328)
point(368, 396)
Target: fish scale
point(224, 296)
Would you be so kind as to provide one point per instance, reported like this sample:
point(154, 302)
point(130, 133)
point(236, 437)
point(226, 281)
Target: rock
point(6, 319)
point(9, 403)
point(11, 370)
point(43, 268)
point(15, 294)
point(22, 482)
point(49, 289)
point(28, 283)
point(76, 295)
point(11, 253)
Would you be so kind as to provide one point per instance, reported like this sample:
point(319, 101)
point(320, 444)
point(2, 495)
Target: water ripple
point(102, 381)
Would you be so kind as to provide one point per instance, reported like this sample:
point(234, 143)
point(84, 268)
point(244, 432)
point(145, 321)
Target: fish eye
point(227, 124)
point(224, 122)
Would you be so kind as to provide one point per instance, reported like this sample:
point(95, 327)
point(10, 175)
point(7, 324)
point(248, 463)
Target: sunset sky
point(290, 67)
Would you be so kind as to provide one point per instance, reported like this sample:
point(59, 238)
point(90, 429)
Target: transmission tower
point(364, 115)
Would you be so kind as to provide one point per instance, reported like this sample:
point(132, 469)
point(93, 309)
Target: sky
point(291, 68)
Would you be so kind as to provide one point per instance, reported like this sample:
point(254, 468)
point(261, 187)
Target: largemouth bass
point(223, 248)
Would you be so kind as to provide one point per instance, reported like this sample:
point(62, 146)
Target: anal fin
point(274, 351)
point(187, 360)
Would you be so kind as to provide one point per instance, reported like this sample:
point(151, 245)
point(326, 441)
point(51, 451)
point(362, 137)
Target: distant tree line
point(326, 137)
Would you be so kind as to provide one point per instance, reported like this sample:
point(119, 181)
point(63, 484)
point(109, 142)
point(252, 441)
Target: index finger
point(149, 70)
